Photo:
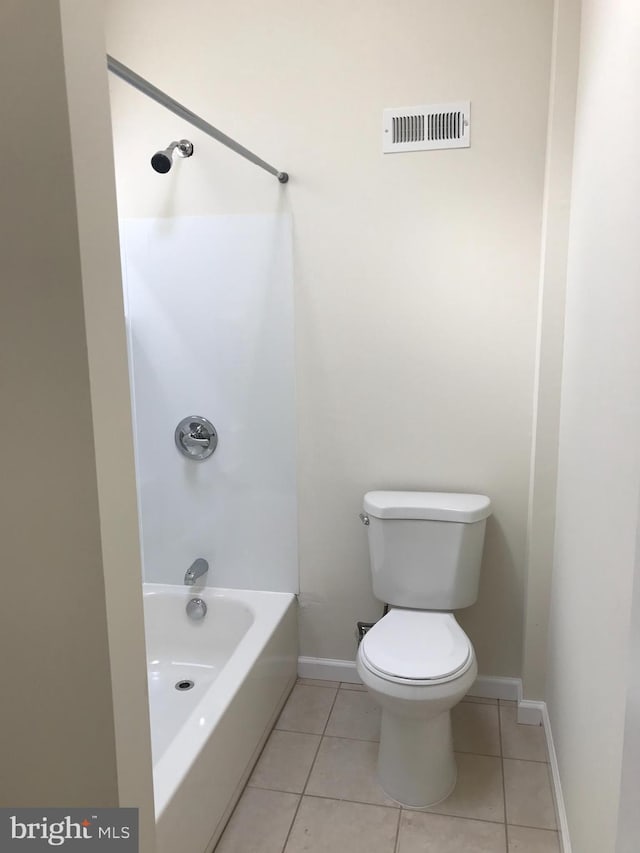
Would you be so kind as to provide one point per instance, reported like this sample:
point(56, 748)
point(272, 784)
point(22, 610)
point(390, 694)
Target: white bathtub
point(242, 659)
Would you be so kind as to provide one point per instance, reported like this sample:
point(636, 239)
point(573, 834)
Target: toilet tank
point(426, 547)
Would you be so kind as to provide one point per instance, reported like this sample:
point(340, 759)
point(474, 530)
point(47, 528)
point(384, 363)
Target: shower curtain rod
point(161, 97)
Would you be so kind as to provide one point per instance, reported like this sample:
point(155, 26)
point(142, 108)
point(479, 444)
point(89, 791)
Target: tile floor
point(314, 787)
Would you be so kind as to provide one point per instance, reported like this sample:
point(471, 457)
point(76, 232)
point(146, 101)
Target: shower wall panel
point(209, 304)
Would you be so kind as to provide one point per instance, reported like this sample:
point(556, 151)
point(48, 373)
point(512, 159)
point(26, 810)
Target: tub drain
point(187, 684)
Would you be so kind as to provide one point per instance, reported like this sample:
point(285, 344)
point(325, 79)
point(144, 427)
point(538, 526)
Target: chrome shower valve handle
point(196, 438)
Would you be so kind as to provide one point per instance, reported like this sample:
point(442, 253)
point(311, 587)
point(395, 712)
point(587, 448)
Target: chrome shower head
point(163, 160)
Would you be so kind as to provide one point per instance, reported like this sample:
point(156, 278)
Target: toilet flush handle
point(364, 518)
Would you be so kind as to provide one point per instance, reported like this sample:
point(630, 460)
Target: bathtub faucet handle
point(198, 568)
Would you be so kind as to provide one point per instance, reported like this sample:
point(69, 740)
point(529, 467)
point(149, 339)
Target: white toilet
point(417, 662)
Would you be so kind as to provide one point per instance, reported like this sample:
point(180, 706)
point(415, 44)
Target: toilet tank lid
point(430, 506)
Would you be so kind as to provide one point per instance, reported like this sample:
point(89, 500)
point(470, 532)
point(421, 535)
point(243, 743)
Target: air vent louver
point(426, 128)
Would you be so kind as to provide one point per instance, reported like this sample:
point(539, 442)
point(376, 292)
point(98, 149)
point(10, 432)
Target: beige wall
point(548, 375)
point(56, 714)
point(629, 811)
point(92, 150)
point(69, 529)
point(599, 453)
point(416, 275)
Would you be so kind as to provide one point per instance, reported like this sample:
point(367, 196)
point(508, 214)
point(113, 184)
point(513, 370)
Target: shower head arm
point(182, 147)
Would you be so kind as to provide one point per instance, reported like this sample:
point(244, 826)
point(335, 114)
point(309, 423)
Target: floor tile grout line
point(397, 844)
point(479, 754)
point(336, 685)
point(293, 820)
point(304, 789)
point(456, 815)
point(377, 740)
point(344, 800)
point(313, 687)
point(504, 787)
point(432, 810)
point(476, 702)
point(343, 737)
point(500, 753)
point(277, 728)
point(399, 807)
point(322, 736)
point(529, 826)
point(408, 810)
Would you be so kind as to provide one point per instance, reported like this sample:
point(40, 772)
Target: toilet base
point(416, 764)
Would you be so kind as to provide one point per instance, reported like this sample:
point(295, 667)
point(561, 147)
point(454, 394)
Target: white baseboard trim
point(497, 687)
point(530, 713)
point(561, 814)
point(328, 669)
point(485, 686)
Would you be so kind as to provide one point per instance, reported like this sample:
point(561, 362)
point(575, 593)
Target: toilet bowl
point(417, 665)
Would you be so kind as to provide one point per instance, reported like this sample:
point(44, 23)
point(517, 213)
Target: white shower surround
point(209, 308)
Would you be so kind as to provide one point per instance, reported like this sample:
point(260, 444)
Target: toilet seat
point(417, 647)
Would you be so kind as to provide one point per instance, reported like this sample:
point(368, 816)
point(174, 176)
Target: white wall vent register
point(427, 127)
